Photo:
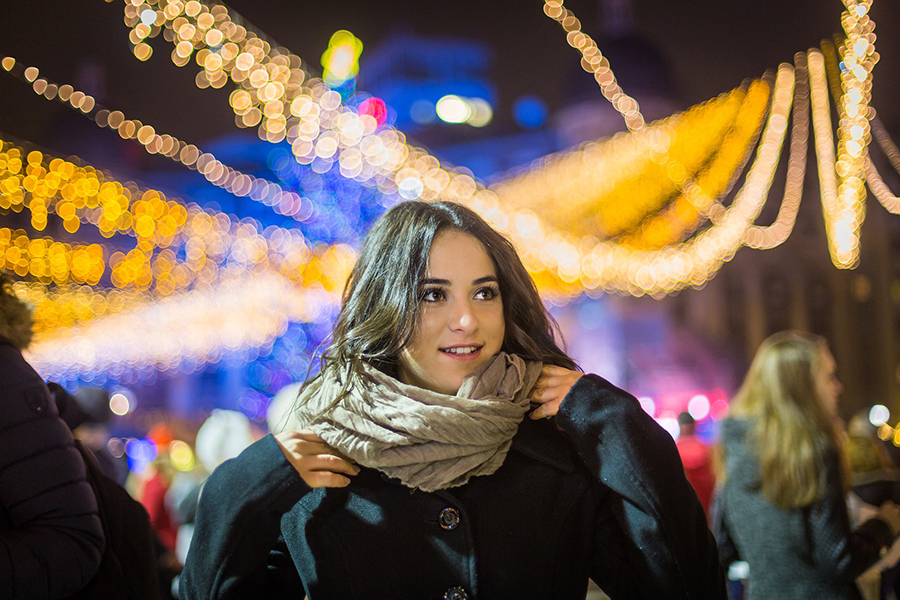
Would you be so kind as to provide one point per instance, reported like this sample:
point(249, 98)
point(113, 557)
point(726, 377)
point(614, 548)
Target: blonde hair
point(792, 432)
point(16, 319)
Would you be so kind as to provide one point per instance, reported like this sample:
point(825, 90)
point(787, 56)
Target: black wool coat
point(597, 492)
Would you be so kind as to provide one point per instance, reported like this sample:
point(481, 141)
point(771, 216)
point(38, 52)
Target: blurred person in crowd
point(280, 416)
point(89, 422)
point(152, 493)
point(158, 478)
point(697, 459)
point(129, 569)
point(782, 507)
point(425, 472)
point(223, 436)
point(51, 535)
point(875, 480)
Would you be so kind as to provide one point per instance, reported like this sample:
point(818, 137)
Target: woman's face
point(827, 384)
point(461, 322)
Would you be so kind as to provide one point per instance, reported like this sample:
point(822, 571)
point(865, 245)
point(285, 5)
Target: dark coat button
point(449, 519)
point(456, 593)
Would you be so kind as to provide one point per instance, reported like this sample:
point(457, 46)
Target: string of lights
point(456, 186)
point(880, 189)
point(282, 201)
point(615, 268)
point(593, 61)
point(887, 144)
point(768, 237)
point(842, 171)
point(611, 187)
point(175, 248)
point(702, 196)
point(873, 177)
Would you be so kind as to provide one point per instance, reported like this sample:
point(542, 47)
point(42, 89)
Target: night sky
point(710, 45)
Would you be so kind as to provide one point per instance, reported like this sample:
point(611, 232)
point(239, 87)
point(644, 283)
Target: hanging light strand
point(593, 61)
point(843, 186)
point(766, 238)
point(282, 201)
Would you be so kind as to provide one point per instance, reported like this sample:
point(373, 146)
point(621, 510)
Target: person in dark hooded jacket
point(51, 537)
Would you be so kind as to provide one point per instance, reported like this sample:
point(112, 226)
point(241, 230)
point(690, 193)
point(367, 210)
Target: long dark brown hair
point(380, 308)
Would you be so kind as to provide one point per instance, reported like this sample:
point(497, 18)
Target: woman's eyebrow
point(479, 281)
point(486, 279)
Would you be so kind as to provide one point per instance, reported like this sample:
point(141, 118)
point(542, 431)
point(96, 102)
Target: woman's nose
point(463, 317)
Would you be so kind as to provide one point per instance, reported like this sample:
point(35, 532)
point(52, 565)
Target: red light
point(373, 107)
point(718, 410)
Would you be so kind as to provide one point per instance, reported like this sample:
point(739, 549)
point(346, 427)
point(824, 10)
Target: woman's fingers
point(317, 479)
point(330, 462)
point(550, 389)
point(546, 410)
point(318, 464)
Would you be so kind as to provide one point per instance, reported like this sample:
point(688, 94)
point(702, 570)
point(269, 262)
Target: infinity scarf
point(426, 439)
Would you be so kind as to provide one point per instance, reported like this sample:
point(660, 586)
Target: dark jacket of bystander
point(51, 537)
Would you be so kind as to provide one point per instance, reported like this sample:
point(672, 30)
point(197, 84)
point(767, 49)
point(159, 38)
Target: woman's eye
point(433, 295)
point(488, 293)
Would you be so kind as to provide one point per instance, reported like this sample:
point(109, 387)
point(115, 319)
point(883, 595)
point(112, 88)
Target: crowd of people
point(450, 448)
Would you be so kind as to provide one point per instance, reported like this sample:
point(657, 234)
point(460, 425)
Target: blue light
point(530, 112)
point(422, 112)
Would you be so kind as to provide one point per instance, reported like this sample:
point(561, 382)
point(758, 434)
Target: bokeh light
point(879, 415)
point(648, 404)
point(698, 407)
point(530, 112)
point(453, 109)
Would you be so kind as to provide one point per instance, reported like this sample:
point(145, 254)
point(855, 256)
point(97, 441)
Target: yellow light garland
point(216, 246)
point(843, 185)
point(765, 238)
point(383, 157)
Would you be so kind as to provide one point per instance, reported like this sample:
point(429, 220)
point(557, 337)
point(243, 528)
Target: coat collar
point(542, 441)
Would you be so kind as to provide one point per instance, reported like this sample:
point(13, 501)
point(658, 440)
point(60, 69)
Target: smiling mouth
point(461, 350)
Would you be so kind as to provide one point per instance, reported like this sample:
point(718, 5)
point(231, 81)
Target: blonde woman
point(782, 506)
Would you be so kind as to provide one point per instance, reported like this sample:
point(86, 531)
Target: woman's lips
point(462, 353)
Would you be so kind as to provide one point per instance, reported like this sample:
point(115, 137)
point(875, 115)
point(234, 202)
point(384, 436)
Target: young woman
point(782, 506)
point(421, 473)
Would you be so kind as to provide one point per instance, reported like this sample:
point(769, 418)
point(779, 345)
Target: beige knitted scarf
point(427, 440)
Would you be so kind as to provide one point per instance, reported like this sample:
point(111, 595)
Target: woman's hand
point(550, 389)
point(319, 464)
point(890, 514)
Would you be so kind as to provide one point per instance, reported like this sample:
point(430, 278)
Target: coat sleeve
point(652, 540)
point(840, 553)
point(51, 543)
point(728, 552)
point(235, 551)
